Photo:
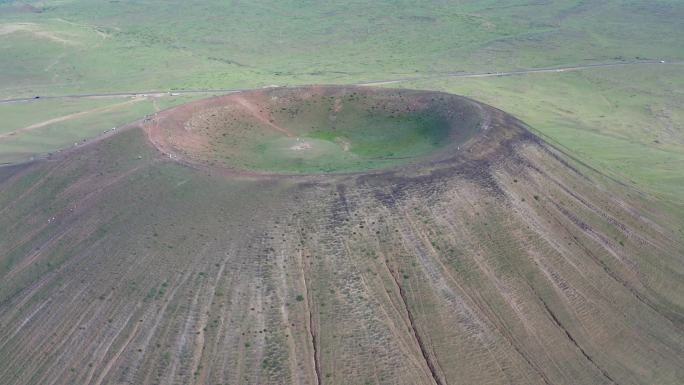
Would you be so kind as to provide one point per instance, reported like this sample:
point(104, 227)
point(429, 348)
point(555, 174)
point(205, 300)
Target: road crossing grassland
point(158, 93)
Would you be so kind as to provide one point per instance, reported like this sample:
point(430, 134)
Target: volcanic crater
point(313, 130)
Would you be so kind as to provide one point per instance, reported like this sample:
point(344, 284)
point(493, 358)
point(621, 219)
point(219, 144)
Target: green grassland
point(123, 45)
point(626, 121)
point(43, 126)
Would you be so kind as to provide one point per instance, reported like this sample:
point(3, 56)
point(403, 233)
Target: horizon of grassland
point(624, 121)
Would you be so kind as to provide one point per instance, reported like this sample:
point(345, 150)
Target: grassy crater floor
point(317, 129)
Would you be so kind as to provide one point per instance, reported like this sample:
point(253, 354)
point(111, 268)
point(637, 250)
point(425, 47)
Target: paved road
point(369, 83)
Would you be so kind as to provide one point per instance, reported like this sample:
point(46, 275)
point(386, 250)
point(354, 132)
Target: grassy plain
point(608, 117)
point(91, 46)
point(39, 127)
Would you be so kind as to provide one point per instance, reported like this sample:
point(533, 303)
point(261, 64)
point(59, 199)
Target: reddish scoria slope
point(506, 263)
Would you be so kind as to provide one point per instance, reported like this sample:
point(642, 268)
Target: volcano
point(333, 235)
